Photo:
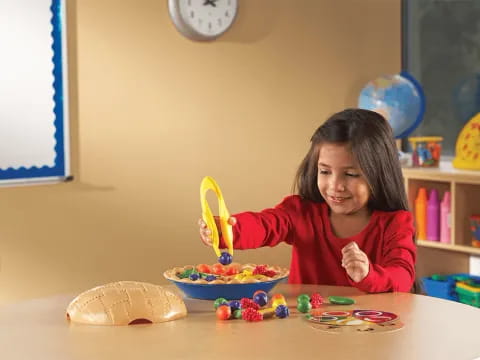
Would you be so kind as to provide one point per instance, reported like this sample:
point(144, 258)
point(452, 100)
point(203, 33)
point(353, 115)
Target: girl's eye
point(352, 174)
point(323, 172)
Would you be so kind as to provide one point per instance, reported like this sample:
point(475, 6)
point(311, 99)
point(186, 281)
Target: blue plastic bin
point(444, 289)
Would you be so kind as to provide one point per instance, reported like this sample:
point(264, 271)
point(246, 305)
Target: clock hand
point(210, 2)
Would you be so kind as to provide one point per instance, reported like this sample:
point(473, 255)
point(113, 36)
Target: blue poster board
point(34, 136)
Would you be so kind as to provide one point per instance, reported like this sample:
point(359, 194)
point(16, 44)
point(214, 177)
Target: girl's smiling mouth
point(338, 199)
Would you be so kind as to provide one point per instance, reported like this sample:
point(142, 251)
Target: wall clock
point(203, 19)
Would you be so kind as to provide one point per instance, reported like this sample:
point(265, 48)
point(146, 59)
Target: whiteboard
point(34, 136)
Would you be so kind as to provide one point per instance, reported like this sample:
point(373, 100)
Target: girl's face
point(340, 181)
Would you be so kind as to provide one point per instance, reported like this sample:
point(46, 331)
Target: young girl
point(349, 224)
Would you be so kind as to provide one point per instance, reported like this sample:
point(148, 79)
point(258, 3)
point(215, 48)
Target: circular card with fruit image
point(339, 321)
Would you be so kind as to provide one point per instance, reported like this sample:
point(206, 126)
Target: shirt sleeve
point(396, 270)
point(268, 227)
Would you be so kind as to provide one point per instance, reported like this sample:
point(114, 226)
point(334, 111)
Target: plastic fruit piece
point(225, 258)
point(203, 268)
point(223, 312)
point(282, 311)
point(235, 304)
point(210, 278)
point(251, 314)
point(218, 269)
point(303, 298)
point(278, 302)
point(219, 301)
point(260, 298)
point(277, 296)
point(340, 300)
point(209, 184)
point(304, 306)
point(258, 292)
point(267, 312)
point(194, 276)
point(231, 270)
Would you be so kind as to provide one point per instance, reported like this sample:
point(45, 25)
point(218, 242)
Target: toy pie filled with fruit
point(233, 273)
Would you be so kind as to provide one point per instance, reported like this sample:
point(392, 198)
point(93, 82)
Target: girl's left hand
point(355, 262)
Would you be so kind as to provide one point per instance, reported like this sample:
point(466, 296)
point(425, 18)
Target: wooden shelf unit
point(464, 187)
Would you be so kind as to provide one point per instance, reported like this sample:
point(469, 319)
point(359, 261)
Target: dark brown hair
point(372, 144)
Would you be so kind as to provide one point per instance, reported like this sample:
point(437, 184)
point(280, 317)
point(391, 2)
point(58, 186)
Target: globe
point(399, 98)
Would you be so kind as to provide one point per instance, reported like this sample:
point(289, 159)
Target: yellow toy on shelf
point(467, 149)
point(209, 184)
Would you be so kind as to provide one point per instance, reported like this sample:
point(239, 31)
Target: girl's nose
point(337, 184)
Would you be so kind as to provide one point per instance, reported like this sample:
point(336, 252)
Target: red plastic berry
point(247, 303)
point(251, 314)
point(316, 300)
point(270, 273)
point(259, 269)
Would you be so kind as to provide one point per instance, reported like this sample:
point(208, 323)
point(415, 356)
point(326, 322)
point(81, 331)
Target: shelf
point(445, 172)
point(449, 247)
point(464, 187)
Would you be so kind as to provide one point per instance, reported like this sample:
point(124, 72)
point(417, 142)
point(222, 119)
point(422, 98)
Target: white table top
point(433, 329)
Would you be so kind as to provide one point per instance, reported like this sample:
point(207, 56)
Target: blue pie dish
point(227, 291)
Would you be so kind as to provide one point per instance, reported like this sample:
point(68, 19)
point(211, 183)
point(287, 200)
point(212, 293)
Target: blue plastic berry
point(282, 311)
point(194, 277)
point(235, 305)
point(260, 298)
point(225, 258)
point(210, 277)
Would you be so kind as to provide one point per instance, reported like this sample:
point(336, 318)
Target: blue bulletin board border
point(59, 169)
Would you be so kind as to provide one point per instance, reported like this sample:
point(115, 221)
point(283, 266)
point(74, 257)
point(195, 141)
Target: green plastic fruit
point(219, 301)
point(304, 306)
point(303, 298)
point(340, 300)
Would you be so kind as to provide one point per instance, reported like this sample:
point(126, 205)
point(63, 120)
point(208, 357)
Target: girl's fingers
point(349, 247)
point(202, 223)
point(354, 256)
point(355, 264)
point(206, 233)
point(357, 253)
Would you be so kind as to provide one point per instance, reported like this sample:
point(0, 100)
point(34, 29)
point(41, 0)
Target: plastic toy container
point(444, 286)
point(440, 286)
point(469, 293)
point(426, 150)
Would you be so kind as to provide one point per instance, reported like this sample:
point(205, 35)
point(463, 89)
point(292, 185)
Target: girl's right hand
point(206, 233)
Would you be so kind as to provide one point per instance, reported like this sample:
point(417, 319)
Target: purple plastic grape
point(210, 277)
point(234, 304)
point(194, 277)
point(260, 298)
point(282, 311)
point(225, 258)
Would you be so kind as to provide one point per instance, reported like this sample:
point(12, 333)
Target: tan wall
point(152, 113)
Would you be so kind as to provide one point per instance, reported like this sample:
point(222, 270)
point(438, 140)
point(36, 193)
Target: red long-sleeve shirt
point(316, 251)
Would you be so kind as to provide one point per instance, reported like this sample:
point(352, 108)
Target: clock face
point(203, 19)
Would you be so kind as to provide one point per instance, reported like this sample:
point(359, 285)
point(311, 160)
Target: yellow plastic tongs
point(209, 184)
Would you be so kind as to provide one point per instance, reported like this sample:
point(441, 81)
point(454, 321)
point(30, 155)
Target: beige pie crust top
point(124, 303)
